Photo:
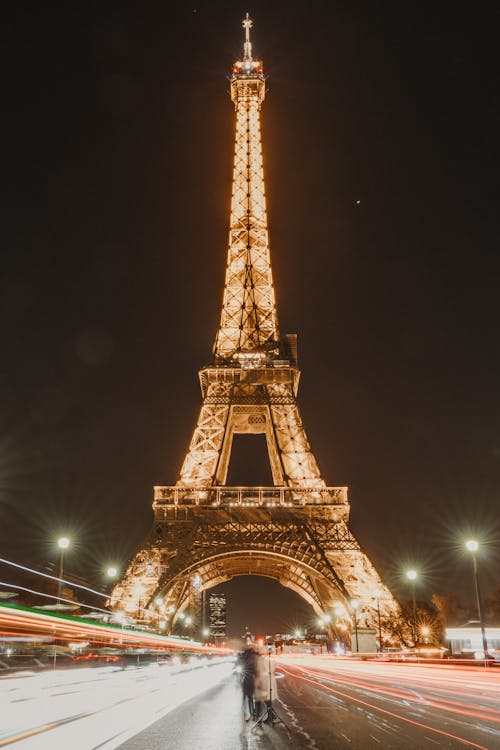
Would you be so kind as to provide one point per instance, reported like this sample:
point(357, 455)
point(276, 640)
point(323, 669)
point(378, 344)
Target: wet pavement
point(214, 721)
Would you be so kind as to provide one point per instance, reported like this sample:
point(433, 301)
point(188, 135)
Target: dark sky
point(380, 147)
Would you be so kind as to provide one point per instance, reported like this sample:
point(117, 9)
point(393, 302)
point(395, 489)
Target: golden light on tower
point(295, 531)
point(249, 319)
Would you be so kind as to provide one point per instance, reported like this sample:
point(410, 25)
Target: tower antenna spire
point(247, 47)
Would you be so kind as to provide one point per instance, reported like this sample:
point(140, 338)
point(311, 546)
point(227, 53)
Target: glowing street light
point(298, 633)
point(412, 576)
point(63, 543)
point(473, 546)
point(112, 572)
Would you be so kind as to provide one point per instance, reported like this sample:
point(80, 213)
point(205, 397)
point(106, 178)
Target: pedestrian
point(247, 660)
point(265, 687)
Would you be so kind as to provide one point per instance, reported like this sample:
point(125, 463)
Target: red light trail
point(415, 685)
point(17, 620)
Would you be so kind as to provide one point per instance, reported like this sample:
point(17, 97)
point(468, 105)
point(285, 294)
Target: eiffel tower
point(295, 531)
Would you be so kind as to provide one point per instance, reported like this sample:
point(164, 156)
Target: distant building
point(466, 640)
point(247, 638)
point(364, 641)
point(217, 615)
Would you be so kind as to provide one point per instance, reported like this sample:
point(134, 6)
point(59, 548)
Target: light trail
point(399, 717)
point(53, 578)
point(408, 695)
point(98, 708)
point(59, 627)
point(414, 685)
point(58, 598)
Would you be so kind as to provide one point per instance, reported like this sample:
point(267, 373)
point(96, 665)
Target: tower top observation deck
point(247, 76)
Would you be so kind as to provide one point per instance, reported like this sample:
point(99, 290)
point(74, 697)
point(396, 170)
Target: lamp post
point(473, 547)
point(355, 605)
point(62, 543)
point(325, 624)
point(412, 577)
point(378, 593)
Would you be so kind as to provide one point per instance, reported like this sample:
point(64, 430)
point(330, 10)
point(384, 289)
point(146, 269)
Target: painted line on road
point(316, 683)
point(455, 706)
point(46, 728)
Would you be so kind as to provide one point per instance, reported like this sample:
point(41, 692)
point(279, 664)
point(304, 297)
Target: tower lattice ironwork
point(295, 531)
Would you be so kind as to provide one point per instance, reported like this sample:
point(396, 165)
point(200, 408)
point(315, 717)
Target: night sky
point(380, 132)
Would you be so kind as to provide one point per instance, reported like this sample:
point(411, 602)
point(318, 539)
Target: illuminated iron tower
point(295, 531)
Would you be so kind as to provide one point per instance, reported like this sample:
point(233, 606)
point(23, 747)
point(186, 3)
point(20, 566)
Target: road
point(327, 704)
point(370, 704)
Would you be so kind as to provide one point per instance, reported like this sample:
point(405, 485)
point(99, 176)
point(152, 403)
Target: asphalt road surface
point(329, 703)
point(326, 703)
point(369, 704)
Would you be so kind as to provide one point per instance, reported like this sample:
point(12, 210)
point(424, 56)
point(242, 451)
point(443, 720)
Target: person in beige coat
point(265, 687)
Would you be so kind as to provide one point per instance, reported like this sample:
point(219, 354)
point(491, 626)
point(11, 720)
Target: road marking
point(295, 724)
point(399, 717)
point(45, 728)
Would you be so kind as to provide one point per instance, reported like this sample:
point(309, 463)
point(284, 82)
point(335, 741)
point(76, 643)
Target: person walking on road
point(248, 659)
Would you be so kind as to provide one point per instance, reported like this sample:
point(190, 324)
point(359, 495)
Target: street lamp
point(62, 543)
point(355, 605)
point(378, 594)
point(473, 547)
point(111, 572)
point(412, 577)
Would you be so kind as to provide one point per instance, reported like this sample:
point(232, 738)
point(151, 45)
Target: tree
point(492, 608)
point(450, 610)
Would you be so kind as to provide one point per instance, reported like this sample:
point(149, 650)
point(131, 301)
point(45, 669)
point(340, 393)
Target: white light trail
point(53, 578)
point(89, 708)
point(58, 598)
